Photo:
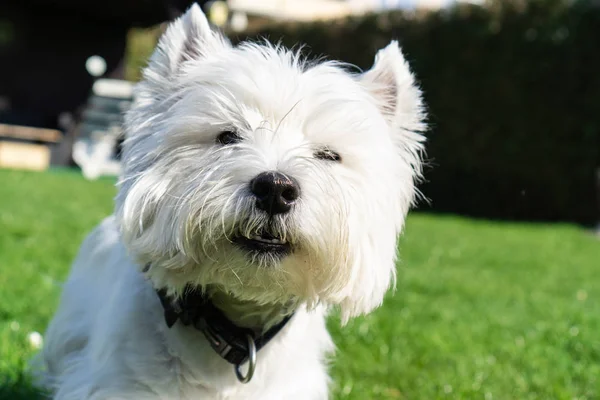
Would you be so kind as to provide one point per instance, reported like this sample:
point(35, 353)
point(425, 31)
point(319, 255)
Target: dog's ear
point(189, 37)
point(393, 87)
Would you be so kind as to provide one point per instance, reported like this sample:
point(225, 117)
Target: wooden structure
point(25, 147)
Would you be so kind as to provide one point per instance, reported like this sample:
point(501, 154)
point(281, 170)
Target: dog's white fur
point(182, 197)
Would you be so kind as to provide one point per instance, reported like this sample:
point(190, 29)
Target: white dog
point(258, 189)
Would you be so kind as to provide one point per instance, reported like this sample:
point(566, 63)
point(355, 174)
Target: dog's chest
point(288, 367)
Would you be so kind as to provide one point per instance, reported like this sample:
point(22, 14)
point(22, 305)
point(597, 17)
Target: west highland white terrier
point(259, 190)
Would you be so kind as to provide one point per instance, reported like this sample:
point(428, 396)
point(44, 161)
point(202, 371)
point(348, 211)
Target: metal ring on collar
point(251, 362)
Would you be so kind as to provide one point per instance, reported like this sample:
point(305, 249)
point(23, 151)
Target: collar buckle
point(222, 347)
point(216, 341)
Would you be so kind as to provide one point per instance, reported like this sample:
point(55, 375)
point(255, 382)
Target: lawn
point(483, 310)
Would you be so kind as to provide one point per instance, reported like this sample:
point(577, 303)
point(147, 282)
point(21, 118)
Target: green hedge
point(514, 100)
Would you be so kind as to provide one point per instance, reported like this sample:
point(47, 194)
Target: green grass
point(483, 310)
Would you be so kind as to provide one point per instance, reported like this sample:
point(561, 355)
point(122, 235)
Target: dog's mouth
point(264, 242)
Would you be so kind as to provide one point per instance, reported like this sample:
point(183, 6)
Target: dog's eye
point(328, 155)
point(228, 137)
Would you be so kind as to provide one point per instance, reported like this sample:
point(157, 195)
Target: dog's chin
point(263, 245)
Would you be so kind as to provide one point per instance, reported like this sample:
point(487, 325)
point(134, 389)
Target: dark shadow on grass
point(20, 388)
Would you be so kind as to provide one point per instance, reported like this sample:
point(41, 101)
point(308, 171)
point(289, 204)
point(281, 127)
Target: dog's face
point(272, 178)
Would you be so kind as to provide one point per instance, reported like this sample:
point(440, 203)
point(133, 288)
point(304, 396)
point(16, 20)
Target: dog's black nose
point(275, 192)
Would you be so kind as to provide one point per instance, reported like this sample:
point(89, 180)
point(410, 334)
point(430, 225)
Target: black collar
point(227, 339)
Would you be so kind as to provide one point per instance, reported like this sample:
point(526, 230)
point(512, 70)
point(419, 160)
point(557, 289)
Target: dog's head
point(274, 178)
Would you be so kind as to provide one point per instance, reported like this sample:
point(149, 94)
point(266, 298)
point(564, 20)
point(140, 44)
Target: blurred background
point(499, 280)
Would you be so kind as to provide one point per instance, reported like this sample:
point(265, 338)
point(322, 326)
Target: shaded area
point(19, 389)
point(44, 46)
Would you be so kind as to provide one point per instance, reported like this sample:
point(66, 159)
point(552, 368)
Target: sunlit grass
point(482, 310)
